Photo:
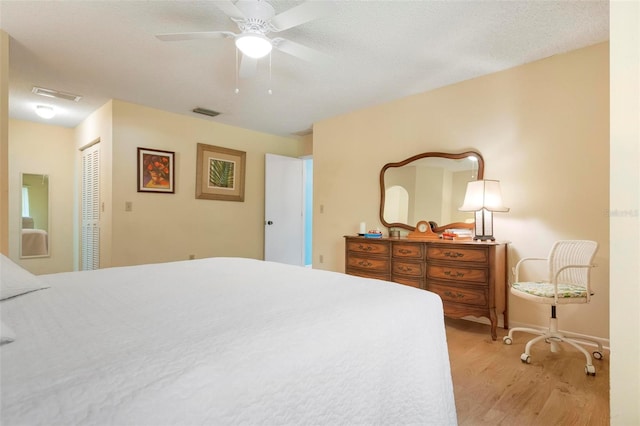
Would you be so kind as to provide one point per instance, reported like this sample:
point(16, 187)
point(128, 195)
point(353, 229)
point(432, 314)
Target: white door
point(90, 238)
point(284, 210)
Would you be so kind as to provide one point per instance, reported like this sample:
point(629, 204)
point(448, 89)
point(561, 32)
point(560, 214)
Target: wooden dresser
point(469, 276)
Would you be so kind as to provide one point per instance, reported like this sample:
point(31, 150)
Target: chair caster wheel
point(597, 355)
point(525, 358)
point(507, 340)
point(590, 370)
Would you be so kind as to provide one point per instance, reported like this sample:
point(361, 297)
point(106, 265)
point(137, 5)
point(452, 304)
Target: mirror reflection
point(34, 241)
point(429, 186)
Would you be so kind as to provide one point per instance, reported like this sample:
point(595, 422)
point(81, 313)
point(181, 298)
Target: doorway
point(288, 222)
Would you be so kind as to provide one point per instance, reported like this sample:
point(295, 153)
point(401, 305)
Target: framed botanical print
point(156, 171)
point(220, 173)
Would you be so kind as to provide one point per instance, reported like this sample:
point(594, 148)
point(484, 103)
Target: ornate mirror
point(428, 187)
point(34, 208)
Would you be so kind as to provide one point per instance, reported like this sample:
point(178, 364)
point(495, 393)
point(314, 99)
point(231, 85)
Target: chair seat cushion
point(542, 289)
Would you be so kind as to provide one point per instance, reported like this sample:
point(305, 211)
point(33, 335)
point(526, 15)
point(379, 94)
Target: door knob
point(269, 222)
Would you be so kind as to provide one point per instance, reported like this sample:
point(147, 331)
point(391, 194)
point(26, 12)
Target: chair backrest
point(572, 252)
point(27, 222)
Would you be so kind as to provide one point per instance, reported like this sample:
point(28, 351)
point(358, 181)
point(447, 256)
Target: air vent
point(204, 111)
point(50, 93)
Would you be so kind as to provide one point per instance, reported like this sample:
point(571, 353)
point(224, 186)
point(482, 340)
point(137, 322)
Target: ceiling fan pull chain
point(237, 88)
point(270, 91)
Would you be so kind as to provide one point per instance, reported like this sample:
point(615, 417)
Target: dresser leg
point(494, 323)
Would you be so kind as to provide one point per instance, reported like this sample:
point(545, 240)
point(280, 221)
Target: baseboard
point(513, 324)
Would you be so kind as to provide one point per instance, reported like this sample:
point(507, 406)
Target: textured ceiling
point(378, 51)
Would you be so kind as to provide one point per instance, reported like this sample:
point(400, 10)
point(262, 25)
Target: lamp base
point(484, 226)
point(484, 238)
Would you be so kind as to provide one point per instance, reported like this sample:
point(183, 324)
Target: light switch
point(128, 206)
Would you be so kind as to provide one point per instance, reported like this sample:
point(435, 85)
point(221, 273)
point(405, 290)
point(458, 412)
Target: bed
point(35, 242)
point(220, 341)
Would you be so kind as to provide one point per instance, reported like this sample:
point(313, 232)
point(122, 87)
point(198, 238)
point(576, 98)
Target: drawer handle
point(454, 254)
point(365, 248)
point(453, 295)
point(404, 251)
point(454, 274)
point(405, 269)
point(365, 263)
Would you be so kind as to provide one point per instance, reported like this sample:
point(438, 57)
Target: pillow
point(15, 281)
point(6, 334)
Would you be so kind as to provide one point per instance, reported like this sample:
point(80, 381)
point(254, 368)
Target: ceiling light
point(254, 45)
point(45, 112)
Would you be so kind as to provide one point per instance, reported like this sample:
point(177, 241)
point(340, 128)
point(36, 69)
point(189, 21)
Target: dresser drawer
point(466, 295)
point(410, 281)
point(459, 274)
point(369, 247)
point(368, 274)
point(408, 251)
point(414, 269)
point(458, 254)
point(368, 263)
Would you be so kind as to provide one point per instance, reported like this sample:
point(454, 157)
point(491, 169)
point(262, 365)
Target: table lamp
point(483, 197)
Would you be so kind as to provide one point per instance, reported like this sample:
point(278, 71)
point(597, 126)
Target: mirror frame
point(452, 156)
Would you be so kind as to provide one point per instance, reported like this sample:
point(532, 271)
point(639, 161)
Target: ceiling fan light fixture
point(45, 112)
point(254, 45)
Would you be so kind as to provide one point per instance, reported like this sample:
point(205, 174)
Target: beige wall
point(625, 224)
point(4, 142)
point(43, 149)
point(543, 130)
point(164, 227)
point(307, 144)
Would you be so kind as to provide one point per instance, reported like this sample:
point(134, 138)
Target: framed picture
point(220, 173)
point(156, 171)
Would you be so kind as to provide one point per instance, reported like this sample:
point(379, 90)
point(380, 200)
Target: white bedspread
point(35, 242)
point(224, 341)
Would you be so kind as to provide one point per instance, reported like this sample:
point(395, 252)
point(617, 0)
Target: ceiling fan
point(256, 19)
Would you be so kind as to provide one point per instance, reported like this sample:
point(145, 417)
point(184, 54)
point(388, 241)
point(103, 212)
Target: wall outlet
point(192, 256)
point(321, 258)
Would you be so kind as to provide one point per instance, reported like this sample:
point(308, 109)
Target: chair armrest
point(516, 270)
point(555, 278)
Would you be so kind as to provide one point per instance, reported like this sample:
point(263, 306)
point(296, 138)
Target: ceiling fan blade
point(300, 51)
point(230, 9)
point(300, 14)
point(195, 36)
point(248, 66)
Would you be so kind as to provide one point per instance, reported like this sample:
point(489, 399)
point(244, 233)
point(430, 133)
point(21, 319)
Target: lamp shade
point(483, 194)
point(254, 45)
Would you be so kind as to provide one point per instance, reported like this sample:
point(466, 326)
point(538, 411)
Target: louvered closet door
point(91, 207)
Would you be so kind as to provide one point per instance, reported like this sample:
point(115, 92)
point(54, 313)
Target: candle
point(363, 228)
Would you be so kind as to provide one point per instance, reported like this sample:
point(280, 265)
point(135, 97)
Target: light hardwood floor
point(493, 387)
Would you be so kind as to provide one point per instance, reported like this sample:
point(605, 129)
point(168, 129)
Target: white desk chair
point(569, 270)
